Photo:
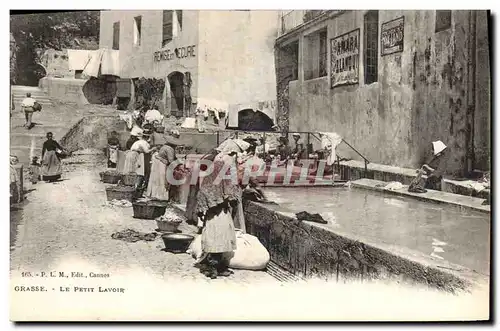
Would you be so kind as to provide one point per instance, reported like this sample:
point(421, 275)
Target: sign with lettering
point(177, 53)
point(344, 59)
point(392, 36)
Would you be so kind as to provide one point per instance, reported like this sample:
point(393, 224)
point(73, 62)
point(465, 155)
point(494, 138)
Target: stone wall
point(421, 95)
point(311, 251)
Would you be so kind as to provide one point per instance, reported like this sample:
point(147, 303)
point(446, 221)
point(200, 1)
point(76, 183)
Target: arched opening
point(100, 90)
point(176, 81)
point(250, 120)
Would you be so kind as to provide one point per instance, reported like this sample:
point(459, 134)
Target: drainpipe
point(471, 93)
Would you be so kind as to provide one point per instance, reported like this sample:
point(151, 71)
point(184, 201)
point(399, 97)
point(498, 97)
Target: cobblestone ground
point(70, 220)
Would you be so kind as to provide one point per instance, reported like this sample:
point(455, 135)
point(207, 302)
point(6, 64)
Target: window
point(371, 46)
point(322, 54)
point(172, 24)
point(167, 27)
point(116, 35)
point(78, 74)
point(443, 20)
point(315, 59)
point(137, 30)
point(179, 17)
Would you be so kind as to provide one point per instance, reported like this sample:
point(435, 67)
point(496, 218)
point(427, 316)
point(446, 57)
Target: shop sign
point(177, 53)
point(392, 36)
point(344, 59)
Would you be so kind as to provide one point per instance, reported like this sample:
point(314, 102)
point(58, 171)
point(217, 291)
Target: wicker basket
point(110, 177)
point(164, 226)
point(129, 179)
point(120, 193)
point(149, 210)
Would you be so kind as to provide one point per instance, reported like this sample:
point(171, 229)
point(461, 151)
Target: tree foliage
point(35, 33)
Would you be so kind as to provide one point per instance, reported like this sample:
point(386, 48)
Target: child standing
point(34, 170)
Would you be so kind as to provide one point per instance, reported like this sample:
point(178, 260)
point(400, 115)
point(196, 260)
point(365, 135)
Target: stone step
point(20, 139)
point(353, 170)
point(20, 98)
point(23, 153)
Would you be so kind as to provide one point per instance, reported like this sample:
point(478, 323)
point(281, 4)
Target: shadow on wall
point(100, 90)
point(250, 120)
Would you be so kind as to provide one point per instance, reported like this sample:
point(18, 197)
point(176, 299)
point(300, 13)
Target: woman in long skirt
point(229, 146)
point(158, 186)
point(214, 200)
point(51, 163)
point(134, 160)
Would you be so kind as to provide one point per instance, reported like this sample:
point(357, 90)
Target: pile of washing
point(133, 236)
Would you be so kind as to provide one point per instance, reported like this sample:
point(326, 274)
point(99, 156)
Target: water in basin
point(441, 231)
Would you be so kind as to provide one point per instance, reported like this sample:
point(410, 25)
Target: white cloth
point(250, 254)
point(438, 147)
point(232, 116)
point(189, 123)
point(394, 186)
point(103, 62)
point(233, 146)
point(78, 59)
point(329, 142)
point(28, 102)
point(228, 146)
point(141, 146)
point(136, 131)
point(477, 186)
point(128, 119)
point(153, 115)
point(94, 64)
point(110, 62)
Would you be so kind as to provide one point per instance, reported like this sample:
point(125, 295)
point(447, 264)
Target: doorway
point(176, 81)
point(250, 120)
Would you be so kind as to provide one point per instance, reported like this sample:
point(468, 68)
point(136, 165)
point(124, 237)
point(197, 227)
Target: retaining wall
point(307, 250)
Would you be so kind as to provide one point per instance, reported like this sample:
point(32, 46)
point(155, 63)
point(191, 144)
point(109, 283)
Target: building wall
point(421, 93)
point(139, 61)
point(237, 55)
point(233, 58)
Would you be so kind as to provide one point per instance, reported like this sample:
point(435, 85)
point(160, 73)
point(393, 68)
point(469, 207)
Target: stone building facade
point(390, 82)
point(206, 58)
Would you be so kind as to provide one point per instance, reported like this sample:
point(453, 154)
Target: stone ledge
point(352, 170)
point(431, 195)
point(311, 250)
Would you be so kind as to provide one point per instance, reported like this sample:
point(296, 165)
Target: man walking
point(28, 106)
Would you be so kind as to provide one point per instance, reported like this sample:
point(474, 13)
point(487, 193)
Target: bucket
point(110, 176)
point(149, 210)
point(129, 179)
point(120, 193)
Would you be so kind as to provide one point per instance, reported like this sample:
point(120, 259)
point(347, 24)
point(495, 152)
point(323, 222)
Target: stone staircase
point(27, 143)
point(19, 93)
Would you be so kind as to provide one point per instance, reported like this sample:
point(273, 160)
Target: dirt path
point(70, 221)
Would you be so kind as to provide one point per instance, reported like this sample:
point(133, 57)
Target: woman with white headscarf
point(431, 174)
point(229, 147)
point(134, 160)
point(217, 200)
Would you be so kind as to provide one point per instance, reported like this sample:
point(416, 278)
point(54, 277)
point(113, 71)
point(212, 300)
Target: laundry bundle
point(329, 143)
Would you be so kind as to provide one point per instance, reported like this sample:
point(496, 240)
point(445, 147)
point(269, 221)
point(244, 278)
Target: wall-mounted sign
point(344, 59)
point(392, 36)
point(178, 53)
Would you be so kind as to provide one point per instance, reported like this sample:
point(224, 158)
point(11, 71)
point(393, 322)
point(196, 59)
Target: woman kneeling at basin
point(433, 170)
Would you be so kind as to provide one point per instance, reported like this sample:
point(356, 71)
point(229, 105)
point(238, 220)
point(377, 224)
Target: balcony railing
point(291, 19)
point(294, 18)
